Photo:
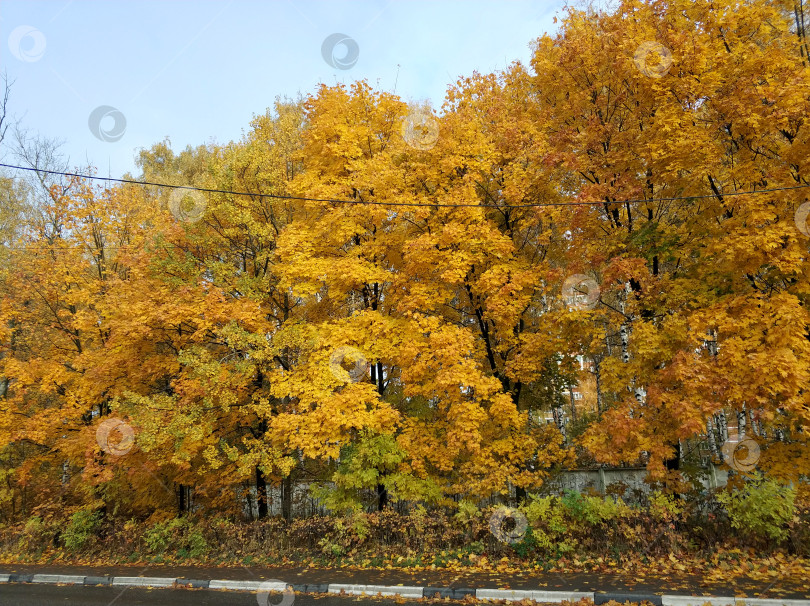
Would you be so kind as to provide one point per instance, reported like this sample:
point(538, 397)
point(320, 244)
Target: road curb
point(193, 583)
point(403, 591)
point(621, 598)
point(143, 581)
point(98, 580)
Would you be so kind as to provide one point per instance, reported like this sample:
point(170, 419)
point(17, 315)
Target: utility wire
point(338, 201)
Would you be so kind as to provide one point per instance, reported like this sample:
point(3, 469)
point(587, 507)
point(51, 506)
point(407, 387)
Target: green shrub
point(178, 533)
point(546, 517)
point(762, 507)
point(467, 512)
point(529, 543)
point(159, 537)
point(663, 507)
point(35, 537)
point(476, 547)
point(196, 544)
point(34, 526)
point(82, 526)
point(593, 510)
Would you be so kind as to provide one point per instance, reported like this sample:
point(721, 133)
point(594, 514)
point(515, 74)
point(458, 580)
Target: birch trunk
point(722, 426)
point(753, 420)
point(625, 339)
point(712, 442)
point(741, 424)
point(559, 420)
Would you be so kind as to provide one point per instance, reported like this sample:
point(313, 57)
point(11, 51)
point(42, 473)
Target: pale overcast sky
point(198, 71)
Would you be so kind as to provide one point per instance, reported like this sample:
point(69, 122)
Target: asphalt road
point(778, 587)
point(69, 595)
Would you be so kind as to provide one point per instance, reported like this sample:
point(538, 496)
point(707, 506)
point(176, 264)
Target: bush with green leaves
point(593, 510)
point(82, 526)
point(762, 507)
point(467, 513)
point(546, 518)
point(663, 507)
point(178, 533)
point(35, 537)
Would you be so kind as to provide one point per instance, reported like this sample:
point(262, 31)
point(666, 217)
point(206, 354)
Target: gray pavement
point(778, 588)
point(67, 595)
point(290, 584)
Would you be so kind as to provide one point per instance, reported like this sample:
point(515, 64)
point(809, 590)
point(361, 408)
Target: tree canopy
point(391, 298)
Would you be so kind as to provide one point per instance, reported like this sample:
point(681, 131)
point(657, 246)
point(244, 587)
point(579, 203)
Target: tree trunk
point(753, 422)
point(559, 419)
point(722, 426)
point(598, 373)
point(286, 497)
point(624, 335)
point(741, 424)
point(377, 379)
point(804, 48)
point(573, 409)
point(261, 493)
point(712, 442)
point(625, 342)
point(181, 499)
point(382, 497)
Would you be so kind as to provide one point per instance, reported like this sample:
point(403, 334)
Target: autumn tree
point(675, 108)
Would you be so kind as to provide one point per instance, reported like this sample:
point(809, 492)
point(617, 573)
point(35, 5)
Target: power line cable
point(416, 204)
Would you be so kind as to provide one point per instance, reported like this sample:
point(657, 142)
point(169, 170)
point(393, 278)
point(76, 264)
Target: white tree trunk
point(623, 334)
point(559, 420)
point(625, 339)
point(712, 441)
point(722, 426)
point(757, 432)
